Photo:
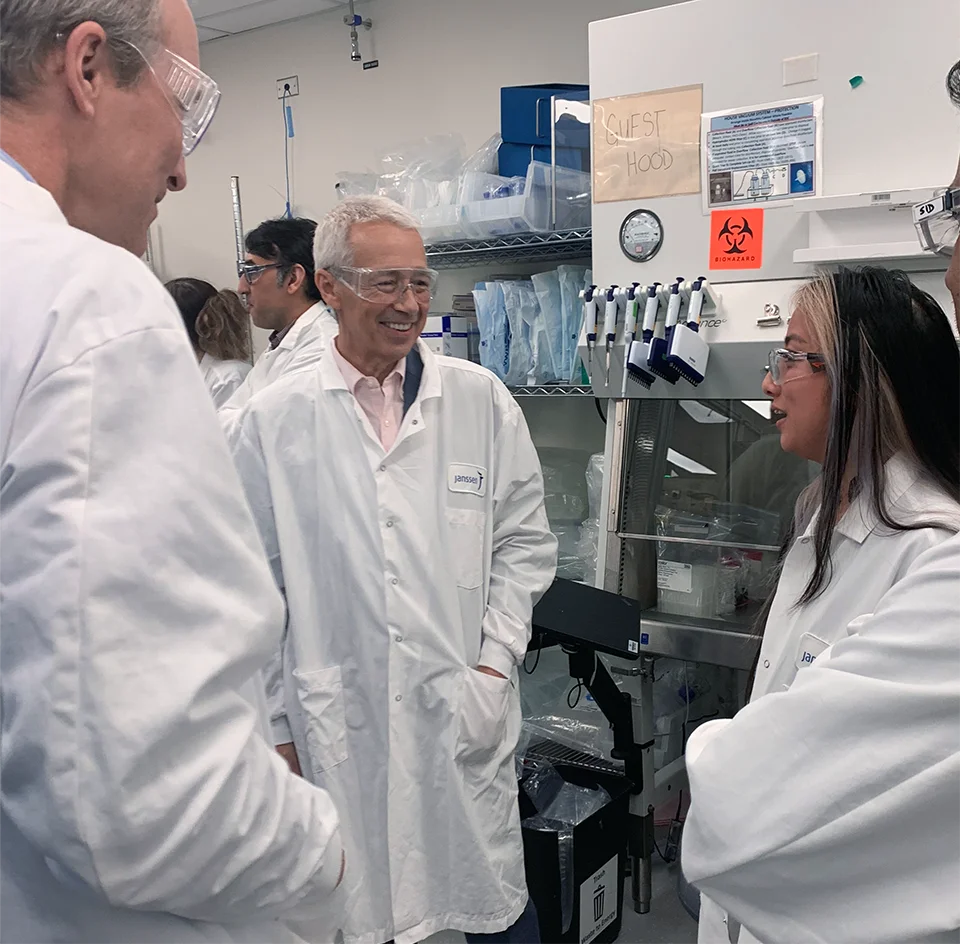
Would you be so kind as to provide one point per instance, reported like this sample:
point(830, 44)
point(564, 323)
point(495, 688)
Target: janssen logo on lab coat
point(810, 647)
point(470, 479)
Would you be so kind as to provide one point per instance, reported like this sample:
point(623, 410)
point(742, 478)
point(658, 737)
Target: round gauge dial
point(641, 235)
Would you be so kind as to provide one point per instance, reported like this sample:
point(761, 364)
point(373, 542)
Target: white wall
point(442, 63)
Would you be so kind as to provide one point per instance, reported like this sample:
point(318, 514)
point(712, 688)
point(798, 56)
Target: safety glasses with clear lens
point(386, 286)
point(938, 222)
point(192, 94)
point(784, 365)
point(251, 271)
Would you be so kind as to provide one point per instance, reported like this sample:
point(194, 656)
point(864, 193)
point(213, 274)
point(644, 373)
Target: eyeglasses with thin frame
point(784, 366)
point(251, 271)
point(937, 221)
point(192, 94)
point(387, 286)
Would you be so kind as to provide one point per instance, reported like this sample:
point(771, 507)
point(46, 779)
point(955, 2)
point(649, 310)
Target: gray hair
point(331, 242)
point(32, 29)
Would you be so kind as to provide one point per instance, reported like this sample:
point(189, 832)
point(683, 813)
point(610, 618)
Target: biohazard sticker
point(736, 239)
point(598, 901)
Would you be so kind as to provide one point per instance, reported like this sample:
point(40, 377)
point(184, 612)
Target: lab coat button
point(395, 581)
point(415, 422)
point(390, 523)
point(766, 663)
point(383, 468)
point(398, 638)
point(399, 698)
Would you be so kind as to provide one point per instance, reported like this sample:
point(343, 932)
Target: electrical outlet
point(290, 85)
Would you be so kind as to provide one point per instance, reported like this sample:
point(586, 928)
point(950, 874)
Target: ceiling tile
point(205, 34)
point(247, 16)
point(202, 8)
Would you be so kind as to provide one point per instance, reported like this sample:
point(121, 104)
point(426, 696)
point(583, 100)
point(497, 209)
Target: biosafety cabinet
point(749, 145)
point(737, 149)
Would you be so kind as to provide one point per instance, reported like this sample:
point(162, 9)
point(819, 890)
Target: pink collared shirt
point(383, 405)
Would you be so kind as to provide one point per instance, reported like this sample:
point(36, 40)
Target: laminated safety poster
point(767, 154)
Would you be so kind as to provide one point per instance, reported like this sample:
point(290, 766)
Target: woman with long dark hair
point(219, 332)
point(829, 808)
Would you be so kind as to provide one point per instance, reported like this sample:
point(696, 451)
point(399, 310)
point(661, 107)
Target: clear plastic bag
point(492, 322)
point(436, 155)
point(561, 806)
point(519, 350)
point(354, 185)
point(571, 311)
point(570, 564)
point(485, 159)
point(594, 477)
point(558, 802)
point(565, 493)
point(587, 550)
point(546, 285)
point(543, 370)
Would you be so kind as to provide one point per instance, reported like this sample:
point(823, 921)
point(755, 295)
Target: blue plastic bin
point(525, 113)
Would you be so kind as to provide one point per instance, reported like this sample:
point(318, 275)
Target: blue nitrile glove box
point(525, 114)
point(514, 159)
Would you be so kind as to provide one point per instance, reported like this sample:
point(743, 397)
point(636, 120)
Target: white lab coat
point(301, 346)
point(827, 810)
point(402, 572)
point(140, 801)
point(222, 377)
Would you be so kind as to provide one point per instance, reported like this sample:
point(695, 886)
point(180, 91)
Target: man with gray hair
point(400, 499)
point(140, 798)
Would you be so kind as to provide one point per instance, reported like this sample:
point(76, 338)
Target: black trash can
point(599, 864)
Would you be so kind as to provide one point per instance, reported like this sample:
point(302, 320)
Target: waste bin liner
point(575, 864)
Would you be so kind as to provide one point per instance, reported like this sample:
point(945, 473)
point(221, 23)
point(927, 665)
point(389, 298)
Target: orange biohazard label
point(736, 239)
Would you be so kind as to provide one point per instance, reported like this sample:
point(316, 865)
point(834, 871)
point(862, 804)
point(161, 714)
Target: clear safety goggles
point(938, 222)
point(386, 286)
point(192, 94)
point(251, 271)
point(784, 366)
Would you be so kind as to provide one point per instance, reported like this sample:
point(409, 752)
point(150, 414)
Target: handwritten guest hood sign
point(647, 145)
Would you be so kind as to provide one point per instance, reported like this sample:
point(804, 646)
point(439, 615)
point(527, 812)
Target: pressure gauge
point(641, 235)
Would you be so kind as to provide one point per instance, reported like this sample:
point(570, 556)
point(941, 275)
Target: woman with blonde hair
point(828, 809)
point(219, 332)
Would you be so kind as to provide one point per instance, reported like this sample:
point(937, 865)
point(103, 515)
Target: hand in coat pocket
point(484, 707)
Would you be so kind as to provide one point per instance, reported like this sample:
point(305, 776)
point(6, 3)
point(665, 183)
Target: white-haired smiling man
point(400, 498)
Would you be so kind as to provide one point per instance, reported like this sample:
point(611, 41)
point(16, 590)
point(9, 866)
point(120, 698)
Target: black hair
point(288, 241)
point(216, 322)
point(895, 378)
point(953, 84)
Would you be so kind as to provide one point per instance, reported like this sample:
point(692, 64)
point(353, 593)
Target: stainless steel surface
point(553, 390)
point(553, 159)
point(555, 753)
point(645, 730)
point(627, 536)
point(643, 885)
point(714, 642)
point(237, 217)
point(649, 429)
point(771, 316)
point(517, 247)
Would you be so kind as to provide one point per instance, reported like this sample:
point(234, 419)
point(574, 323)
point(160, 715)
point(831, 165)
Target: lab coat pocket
point(320, 694)
point(466, 529)
point(484, 706)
